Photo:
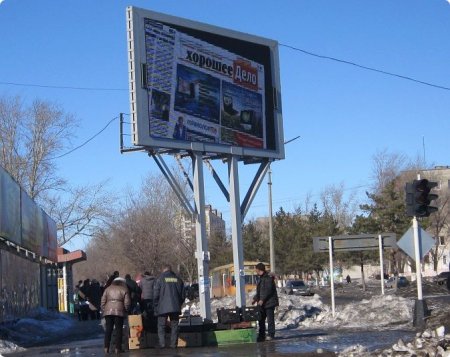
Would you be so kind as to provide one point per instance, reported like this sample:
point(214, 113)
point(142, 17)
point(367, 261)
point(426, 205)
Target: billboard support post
point(236, 230)
point(202, 254)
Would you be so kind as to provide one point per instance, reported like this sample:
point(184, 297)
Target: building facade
point(214, 223)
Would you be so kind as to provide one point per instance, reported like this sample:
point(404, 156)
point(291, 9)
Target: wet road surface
point(289, 343)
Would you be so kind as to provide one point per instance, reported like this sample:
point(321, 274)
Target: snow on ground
point(311, 312)
point(378, 312)
point(32, 329)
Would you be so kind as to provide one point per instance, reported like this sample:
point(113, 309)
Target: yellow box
point(135, 343)
point(135, 325)
point(135, 320)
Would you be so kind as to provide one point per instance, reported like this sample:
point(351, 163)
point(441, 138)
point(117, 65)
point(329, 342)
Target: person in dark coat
point(267, 299)
point(83, 295)
point(95, 296)
point(111, 279)
point(147, 284)
point(115, 304)
point(135, 294)
point(168, 296)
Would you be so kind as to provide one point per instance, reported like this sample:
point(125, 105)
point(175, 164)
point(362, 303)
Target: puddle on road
point(340, 340)
point(288, 343)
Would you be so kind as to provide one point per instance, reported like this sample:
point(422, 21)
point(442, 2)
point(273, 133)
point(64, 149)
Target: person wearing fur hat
point(267, 299)
point(115, 304)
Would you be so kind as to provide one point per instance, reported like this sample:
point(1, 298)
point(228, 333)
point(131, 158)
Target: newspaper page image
point(201, 92)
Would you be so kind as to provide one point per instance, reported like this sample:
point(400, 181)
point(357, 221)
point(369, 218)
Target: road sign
point(354, 242)
point(406, 242)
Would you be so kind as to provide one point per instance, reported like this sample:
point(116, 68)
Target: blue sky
point(344, 114)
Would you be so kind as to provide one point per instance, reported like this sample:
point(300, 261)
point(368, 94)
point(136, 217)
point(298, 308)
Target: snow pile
point(377, 312)
point(295, 311)
point(428, 343)
point(37, 327)
point(311, 312)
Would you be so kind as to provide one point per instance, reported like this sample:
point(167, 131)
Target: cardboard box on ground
point(139, 338)
point(150, 340)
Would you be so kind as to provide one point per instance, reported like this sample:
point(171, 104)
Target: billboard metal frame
point(139, 98)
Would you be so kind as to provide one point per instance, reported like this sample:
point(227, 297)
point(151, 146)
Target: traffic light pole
point(417, 256)
point(420, 305)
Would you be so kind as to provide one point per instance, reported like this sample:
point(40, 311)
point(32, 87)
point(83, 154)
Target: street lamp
point(271, 242)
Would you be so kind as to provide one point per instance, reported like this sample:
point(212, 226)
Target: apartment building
point(214, 223)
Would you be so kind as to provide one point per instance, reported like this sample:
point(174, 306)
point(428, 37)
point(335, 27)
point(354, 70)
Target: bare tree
point(386, 167)
point(342, 208)
point(32, 137)
point(80, 211)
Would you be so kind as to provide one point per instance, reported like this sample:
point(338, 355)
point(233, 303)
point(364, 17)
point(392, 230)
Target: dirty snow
point(311, 312)
point(377, 312)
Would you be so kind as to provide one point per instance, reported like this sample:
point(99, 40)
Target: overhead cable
point(365, 67)
point(83, 144)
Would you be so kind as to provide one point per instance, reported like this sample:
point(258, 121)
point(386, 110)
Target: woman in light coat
point(115, 304)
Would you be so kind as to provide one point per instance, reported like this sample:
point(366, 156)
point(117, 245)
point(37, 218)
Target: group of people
point(161, 299)
point(158, 299)
point(87, 296)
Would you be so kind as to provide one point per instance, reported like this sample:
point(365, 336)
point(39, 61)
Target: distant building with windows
point(214, 223)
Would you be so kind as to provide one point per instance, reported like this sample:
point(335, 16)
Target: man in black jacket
point(267, 299)
point(168, 296)
point(147, 284)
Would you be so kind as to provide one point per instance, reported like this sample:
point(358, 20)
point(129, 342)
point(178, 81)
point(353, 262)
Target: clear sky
point(343, 113)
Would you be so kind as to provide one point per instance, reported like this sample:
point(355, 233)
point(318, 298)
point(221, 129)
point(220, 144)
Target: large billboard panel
point(198, 87)
point(51, 239)
point(23, 222)
point(31, 229)
point(10, 225)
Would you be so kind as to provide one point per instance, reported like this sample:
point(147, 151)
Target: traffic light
point(418, 198)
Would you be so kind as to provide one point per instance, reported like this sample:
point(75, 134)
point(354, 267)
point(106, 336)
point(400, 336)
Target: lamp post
point(271, 242)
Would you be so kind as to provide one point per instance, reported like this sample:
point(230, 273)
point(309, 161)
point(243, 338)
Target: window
point(444, 260)
point(441, 240)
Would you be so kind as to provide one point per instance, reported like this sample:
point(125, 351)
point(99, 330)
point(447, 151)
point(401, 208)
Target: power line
point(83, 144)
point(365, 67)
point(62, 87)
point(281, 44)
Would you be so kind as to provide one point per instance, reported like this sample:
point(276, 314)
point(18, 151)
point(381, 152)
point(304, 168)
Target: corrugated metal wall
point(24, 286)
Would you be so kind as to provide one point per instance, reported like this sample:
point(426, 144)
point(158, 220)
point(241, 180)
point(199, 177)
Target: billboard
point(10, 210)
point(23, 222)
point(198, 87)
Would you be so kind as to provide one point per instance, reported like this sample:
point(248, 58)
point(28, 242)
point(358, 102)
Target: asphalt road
point(288, 343)
point(86, 338)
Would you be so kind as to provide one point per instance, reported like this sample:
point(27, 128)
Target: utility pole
point(271, 244)
point(271, 241)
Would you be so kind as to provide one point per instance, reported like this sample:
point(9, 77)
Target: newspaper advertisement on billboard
point(201, 92)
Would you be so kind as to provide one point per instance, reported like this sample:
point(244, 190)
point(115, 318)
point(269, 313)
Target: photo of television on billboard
point(199, 87)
